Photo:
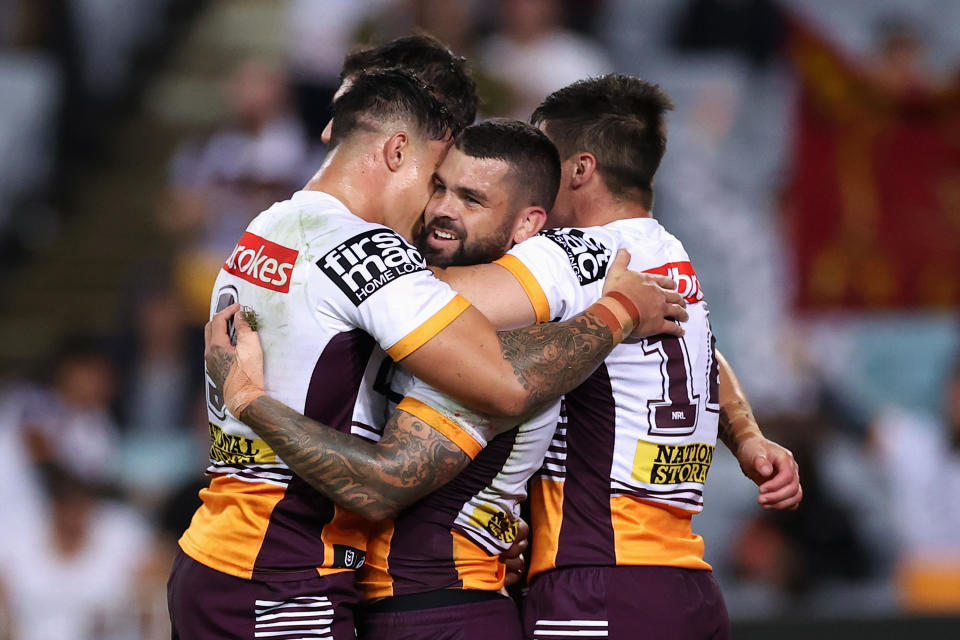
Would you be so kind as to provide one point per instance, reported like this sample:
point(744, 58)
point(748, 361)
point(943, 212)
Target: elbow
point(376, 512)
point(513, 403)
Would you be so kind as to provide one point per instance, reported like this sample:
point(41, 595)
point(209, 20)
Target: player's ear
point(529, 223)
point(395, 150)
point(584, 166)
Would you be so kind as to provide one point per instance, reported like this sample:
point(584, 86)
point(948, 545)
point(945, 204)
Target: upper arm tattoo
point(411, 459)
point(552, 358)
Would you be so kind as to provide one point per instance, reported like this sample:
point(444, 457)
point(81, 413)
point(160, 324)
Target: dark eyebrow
point(479, 196)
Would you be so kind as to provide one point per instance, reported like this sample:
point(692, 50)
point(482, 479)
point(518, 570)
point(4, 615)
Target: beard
point(470, 252)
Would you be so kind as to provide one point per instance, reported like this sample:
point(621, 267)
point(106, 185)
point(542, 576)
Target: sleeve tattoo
point(375, 480)
point(552, 358)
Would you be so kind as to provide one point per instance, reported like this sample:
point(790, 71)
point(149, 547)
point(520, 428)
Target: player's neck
point(343, 177)
point(604, 208)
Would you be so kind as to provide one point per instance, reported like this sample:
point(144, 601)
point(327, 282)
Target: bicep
point(495, 292)
point(465, 361)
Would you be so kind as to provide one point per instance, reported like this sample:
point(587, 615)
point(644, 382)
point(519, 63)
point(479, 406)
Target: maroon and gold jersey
point(330, 290)
point(627, 465)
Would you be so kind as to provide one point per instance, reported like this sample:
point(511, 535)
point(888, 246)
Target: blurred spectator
point(162, 370)
point(70, 424)
point(72, 579)
point(919, 458)
point(535, 55)
point(220, 184)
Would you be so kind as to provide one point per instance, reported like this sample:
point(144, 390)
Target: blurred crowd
point(105, 449)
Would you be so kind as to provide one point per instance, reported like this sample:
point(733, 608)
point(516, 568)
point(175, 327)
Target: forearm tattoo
point(552, 358)
point(219, 361)
point(736, 419)
point(411, 459)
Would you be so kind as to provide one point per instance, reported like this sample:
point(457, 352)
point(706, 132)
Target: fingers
point(215, 332)
point(671, 328)
point(676, 312)
point(514, 571)
point(664, 281)
point(783, 478)
point(672, 297)
point(788, 498)
point(621, 261)
point(762, 464)
point(244, 332)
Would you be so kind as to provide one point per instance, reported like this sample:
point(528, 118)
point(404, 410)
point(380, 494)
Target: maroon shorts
point(496, 619)
point(652, 603)
point(206, 604)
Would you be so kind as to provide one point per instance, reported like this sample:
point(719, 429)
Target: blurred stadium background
point(812, 171)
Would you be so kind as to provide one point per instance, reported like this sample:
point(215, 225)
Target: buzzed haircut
point(617, 118)
point(386, 95)
point(534, 161)
point(446, 74)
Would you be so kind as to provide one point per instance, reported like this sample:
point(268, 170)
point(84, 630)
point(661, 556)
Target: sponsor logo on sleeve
point(367, 262)
point(688, 284)
point(264, 263)
point(588, 257)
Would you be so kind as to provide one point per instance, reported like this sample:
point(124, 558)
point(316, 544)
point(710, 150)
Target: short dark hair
point(528, 150)
point(617, 118)
point(446, 74)
point(388, 94)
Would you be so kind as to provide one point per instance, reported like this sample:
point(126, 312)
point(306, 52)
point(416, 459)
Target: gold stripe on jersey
point(643, 534)
point(223, 522)
point(373, 578)
point(441, 423)
point(434, 325)
point(529, 283)
point(345, 528)
point(234, 449)
point(475, 568)
point(546, 507)
point(646, 534)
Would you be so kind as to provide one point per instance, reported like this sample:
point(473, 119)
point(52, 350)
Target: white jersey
point(635, 440)
point(329, 289)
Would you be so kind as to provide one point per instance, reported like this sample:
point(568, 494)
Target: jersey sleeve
point(561, 270)
point(387, 291)
point(468, 429)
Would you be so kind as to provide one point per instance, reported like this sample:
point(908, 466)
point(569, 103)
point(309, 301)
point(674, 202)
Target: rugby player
point(613, 552)
point(265, 553)
point(414, 560)
point(428, 58)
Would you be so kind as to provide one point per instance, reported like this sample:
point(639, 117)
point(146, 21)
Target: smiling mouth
point(440, 234)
